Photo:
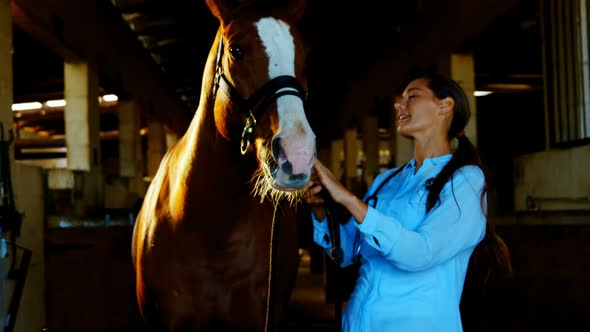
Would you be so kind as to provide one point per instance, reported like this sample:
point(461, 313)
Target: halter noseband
point(259, 101)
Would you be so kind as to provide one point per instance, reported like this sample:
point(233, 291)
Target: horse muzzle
point(294, 159)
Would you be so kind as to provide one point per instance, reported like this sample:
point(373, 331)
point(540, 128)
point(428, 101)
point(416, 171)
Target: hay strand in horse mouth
point(264, 187)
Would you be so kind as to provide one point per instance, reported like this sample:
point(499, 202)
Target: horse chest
point(236, 250)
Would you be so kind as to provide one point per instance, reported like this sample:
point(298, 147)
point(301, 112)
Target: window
point(567, 71)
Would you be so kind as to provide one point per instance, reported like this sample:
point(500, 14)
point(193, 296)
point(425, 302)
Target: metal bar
point(20, 276)
point(561, 199)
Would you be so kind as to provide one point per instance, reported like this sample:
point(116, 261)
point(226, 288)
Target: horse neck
point(214, 186)
point(214, 161)
point(217, 160)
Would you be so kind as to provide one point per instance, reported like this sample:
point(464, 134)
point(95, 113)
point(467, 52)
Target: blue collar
point(440, 160)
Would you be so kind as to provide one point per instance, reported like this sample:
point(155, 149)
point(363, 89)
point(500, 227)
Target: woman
point(419, 224)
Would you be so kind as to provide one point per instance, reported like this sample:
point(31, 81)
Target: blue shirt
point(413, 264)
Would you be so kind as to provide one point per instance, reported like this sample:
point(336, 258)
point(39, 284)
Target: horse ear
point(225, 10)
point(296, 9)
point(220, 9)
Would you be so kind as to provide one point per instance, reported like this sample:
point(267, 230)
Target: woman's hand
point(337, 190)
point(340, 194)
point(314, 198)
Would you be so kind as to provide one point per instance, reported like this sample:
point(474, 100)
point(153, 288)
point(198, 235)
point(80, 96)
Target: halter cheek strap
point(259, 101)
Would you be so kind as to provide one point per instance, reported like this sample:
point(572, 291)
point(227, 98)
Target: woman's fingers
point(316, 190)
point(332, 185)
point(312, 195)
point(326, 177)
point(322, 171)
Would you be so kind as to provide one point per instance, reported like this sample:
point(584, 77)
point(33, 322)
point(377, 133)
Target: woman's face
point(417, 110)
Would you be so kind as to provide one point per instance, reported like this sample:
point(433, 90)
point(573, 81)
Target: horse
point(202, 245)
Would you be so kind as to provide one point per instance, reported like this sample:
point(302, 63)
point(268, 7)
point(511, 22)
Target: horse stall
point(550, 287)
point(90, 282)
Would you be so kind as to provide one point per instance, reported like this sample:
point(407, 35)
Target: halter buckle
point(248, 133)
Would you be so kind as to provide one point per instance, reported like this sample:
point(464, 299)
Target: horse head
point(260, 90)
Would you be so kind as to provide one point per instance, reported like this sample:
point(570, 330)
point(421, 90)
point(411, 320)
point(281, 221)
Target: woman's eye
point(236, 52)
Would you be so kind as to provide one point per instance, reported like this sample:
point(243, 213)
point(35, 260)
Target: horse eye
point(236, 52)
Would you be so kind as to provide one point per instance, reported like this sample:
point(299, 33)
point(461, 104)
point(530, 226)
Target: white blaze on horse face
point(296, 136)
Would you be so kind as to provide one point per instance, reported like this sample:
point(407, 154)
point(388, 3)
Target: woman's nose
point(399, 106)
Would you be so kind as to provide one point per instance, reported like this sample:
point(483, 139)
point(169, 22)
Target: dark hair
point(492, 250)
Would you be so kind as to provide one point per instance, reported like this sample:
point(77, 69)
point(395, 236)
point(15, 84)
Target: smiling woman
point(418, 225)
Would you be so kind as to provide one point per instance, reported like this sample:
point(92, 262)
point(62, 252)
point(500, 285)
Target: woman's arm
point(339, 193)
point(321, 228)
point(454, 225)
point(321, 236)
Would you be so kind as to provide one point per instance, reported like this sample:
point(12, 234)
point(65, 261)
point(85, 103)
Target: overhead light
point(27, 106)
point(480, 93)
point(510, 86)
point(110, 98)
point(56, 103)
point(44, 150)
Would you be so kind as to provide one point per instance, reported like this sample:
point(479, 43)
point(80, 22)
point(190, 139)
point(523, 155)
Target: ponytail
point(491, 257)
point(466, 154)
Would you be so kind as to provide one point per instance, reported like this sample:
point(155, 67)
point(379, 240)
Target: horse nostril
point(287, 167)
point(276, 148)
point(298, 177)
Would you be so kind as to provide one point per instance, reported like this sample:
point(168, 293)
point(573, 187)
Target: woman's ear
point(446, 105)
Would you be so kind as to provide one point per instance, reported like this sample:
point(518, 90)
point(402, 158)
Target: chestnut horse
point(202, 246)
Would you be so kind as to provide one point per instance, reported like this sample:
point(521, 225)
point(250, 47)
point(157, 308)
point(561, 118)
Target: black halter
point(253, 107)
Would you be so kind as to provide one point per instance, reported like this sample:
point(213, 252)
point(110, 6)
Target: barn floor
point(309, 310)
point(90, 285)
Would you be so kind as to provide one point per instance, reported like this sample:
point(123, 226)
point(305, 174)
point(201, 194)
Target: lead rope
point(337, 254)
point(274, 236)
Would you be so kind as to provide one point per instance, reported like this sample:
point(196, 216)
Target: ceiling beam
point(95, 31)
point(137, 70)
point(43, 33)
point(432, 32)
